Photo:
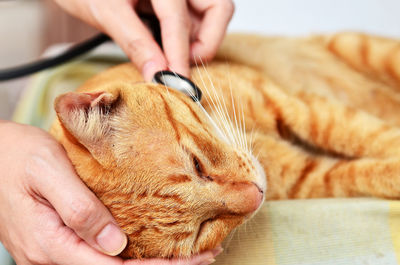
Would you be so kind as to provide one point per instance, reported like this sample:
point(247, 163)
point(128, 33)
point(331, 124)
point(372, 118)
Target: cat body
point(312, 117)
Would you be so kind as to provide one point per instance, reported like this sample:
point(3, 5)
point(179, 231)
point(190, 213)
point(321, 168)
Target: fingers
point(217, 15)
point(124, 26)
point(77, 206)
point(57, 244)
point(82, 252)
point(175, 33)
point(121, 22)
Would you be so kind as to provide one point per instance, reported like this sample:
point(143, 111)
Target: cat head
point(174, 184)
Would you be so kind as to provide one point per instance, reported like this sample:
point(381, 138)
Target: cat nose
point(255, 198)
point(247, 199)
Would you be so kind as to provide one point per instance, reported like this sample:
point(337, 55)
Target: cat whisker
point(166, 88)
point(251, 226)
point(223, 117)
point(234, 122)
point(244, 129)
point(240, 130)
point(222, 121)
point(258, 154)
point(233, 102)
point(251, 140)
point(237, 121)
point(212, 105)
point(229, 238)
point(202, 108)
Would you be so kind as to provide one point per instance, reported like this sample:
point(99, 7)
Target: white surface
point(21, 28)
point(303, 17)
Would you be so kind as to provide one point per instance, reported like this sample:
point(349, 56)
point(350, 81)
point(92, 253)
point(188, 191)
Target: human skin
point(189, 29)
point(47, 214)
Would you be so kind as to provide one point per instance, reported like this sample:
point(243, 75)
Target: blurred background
point(28, 27)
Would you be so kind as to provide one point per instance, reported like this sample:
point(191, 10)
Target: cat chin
point(213, 231)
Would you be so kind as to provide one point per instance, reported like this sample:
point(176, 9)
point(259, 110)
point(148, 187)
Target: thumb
point(77, 206)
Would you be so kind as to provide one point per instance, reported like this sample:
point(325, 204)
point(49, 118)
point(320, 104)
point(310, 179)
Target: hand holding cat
point(47, 214)
point(189, 29)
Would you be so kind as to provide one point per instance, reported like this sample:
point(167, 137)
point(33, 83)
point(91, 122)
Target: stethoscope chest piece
point(178, 82)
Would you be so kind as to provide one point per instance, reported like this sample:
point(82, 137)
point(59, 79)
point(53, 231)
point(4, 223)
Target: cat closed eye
point(199, 170)
point(197, 166)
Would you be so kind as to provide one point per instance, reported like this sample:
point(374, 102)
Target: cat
point(281, 118)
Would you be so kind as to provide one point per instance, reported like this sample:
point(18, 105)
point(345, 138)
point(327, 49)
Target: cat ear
point(86, 116)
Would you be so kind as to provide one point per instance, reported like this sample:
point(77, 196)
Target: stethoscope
point(166, 78)
point(178, 82)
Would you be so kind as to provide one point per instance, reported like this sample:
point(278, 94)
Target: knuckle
point(135, 45)
point(177, 24)
point(39, 161)
point(42, 162)
point(137, 50)
point(49, 149)
point(82, 215)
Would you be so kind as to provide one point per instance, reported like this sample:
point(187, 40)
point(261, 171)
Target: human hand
point(48, 215)
point(189, 29)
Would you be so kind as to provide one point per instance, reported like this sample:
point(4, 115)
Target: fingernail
point(112, 240)
point(149, 69)
point(209, 261)
point(216, 251)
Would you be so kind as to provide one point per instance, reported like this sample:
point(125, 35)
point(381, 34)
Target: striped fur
point(331, 110)
point(319, 113)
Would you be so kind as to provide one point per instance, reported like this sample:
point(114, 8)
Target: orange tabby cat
point(320, 114)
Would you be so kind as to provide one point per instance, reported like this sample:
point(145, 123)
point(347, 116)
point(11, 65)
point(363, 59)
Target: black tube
point(26, 69)
point(75, 51)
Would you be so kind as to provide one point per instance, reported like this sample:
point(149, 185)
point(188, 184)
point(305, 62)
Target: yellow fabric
point(394, 223)
point(323, 231)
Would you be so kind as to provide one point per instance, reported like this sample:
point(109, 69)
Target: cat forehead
point(164, 115)
point(151, 91)
point(157, 103)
